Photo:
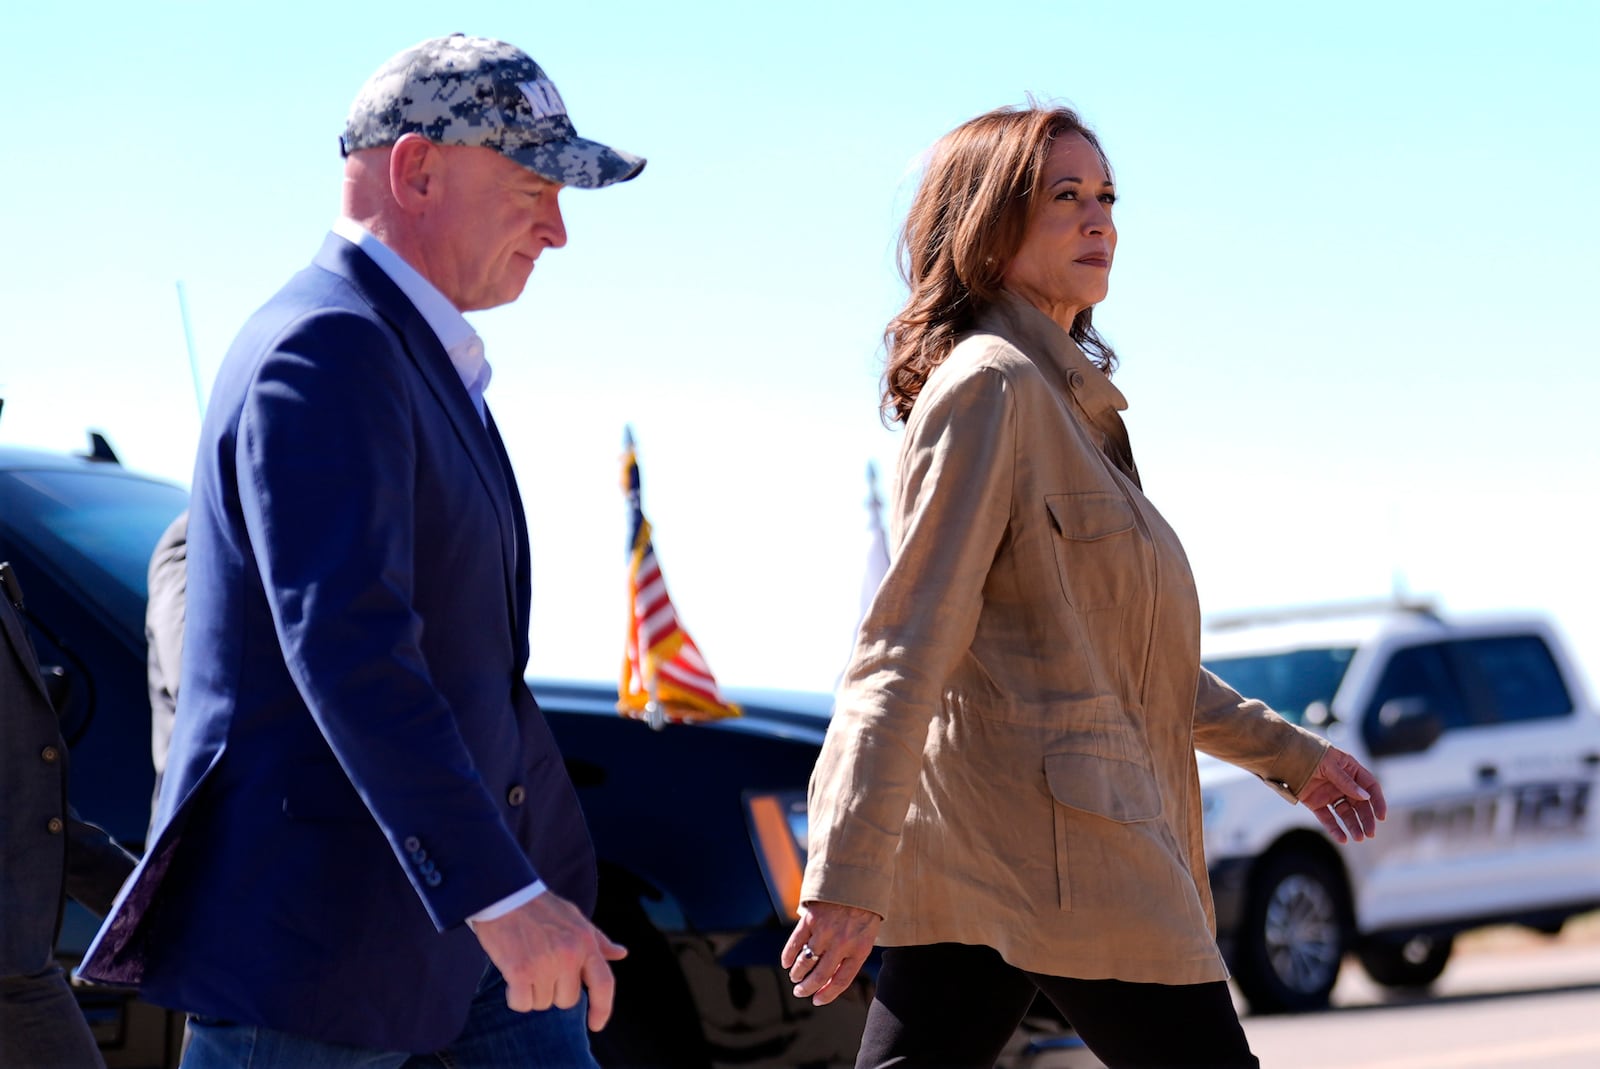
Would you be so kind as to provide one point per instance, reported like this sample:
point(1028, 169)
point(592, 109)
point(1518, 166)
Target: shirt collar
point(460, 341)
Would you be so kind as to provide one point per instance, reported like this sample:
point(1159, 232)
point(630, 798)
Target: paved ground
point(1510, 999)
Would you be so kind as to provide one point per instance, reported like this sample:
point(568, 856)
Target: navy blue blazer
point(357, 764)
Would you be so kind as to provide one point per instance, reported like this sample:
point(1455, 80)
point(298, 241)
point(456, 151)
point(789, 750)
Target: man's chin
point(495, 298)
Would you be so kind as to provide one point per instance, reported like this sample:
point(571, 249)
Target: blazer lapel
point(433, 363)
point(520, 565)
point(21, 645)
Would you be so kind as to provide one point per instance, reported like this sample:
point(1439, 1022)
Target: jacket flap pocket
point(1105, 786)
point(1089, 516)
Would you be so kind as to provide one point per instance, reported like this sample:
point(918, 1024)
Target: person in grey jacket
point(167, 580)
point(46, 853)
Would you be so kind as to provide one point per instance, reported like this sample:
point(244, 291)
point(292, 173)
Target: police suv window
point(1420, 677)
point(1512, 678)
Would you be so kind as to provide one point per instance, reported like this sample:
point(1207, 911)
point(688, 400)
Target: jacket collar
point(1041, 339)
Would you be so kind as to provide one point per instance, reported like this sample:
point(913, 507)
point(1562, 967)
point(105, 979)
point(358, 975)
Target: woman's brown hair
point(966, 223)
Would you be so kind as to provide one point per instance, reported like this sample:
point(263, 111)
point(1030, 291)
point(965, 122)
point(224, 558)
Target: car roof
point(797, 714)
point(1327, 627)
point(27, 458)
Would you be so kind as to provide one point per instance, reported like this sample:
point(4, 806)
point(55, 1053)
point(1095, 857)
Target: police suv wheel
point(1294, 934)
point(1405, 962)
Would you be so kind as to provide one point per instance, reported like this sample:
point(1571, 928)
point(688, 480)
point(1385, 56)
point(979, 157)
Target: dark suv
point(700, 830)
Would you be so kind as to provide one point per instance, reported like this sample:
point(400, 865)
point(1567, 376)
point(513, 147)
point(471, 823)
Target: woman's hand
point(1344, 795)
point(827, 949)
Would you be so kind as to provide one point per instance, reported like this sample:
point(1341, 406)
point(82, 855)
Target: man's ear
point(414, 172)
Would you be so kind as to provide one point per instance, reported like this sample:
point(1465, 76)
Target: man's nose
point(553, 226)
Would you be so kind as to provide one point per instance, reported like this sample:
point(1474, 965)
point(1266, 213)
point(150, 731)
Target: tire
point(1405, 962)
point(1294, 934)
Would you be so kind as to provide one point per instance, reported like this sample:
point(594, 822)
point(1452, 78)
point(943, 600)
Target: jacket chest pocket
point(1096, 546)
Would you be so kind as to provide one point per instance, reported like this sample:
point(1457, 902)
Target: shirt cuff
point(499, 909)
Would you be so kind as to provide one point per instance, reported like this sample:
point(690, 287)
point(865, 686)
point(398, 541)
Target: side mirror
point(1403, 726)
point(1319, 715)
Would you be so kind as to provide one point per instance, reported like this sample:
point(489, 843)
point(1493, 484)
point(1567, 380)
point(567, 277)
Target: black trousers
point(952, 1006)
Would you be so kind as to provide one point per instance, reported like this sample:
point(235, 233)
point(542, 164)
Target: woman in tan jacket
point(1007, 800)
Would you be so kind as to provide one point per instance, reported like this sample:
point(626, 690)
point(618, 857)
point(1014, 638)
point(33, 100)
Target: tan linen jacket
point(1011, 762)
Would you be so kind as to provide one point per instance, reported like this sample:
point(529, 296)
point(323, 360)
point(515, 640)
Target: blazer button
point(516, 795)
point(54, 826)
point(412, 844)
point(1075, 380)
point(49, 755)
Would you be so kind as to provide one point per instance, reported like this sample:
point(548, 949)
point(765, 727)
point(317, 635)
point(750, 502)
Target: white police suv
point(1488, 749)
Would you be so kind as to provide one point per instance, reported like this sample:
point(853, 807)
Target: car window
point(1420, 675)
point(95, 525)
point(1288, 681)
point(1512, 678)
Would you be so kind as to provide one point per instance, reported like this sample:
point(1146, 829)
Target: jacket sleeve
point(96, 865)
point(952, 505)
point(326, 456)
point(1244, 732)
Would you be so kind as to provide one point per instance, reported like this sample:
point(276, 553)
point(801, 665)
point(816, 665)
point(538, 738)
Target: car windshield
point(1290, 681)
point(92, 523)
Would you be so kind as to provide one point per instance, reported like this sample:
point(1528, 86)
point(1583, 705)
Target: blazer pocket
point(1094, 543)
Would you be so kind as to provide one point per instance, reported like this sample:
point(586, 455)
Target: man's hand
point(1342, 792)
point(827, 949)
point(549, 953)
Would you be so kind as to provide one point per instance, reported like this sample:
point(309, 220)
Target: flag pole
point(653, 714)
point(188, 341)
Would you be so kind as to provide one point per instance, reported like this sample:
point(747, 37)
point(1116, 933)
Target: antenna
point(188, 341)
point(100, 449)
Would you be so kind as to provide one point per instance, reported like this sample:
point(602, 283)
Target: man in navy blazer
point(367, 846)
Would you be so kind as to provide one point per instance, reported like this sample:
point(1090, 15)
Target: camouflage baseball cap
point(461, 90)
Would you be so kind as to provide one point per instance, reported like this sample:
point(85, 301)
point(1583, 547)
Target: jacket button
point(412, 844)
point(516, 795)
point(49, 755)
point(1075, 380)
point(54, 826)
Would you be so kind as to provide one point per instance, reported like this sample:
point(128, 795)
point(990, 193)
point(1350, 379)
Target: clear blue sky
point(1354, 295)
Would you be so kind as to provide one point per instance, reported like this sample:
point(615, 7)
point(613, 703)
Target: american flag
point(664, 676)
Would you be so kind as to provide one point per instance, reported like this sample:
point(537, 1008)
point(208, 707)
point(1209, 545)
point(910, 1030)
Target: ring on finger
point(807, 954)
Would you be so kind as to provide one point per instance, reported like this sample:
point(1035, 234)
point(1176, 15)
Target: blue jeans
point(495, 1037)
point(41, 1025)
